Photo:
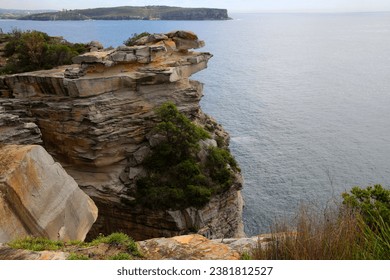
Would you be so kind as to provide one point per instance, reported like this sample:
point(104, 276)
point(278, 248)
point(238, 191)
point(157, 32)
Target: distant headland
point(131, 13)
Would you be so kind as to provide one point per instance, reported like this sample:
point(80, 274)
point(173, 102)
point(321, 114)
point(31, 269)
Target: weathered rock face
point(186, 247)
point(14, 131)
point(96, 116)
point(38, 198)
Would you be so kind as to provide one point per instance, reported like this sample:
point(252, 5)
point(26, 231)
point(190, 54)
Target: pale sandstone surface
point(38, 197)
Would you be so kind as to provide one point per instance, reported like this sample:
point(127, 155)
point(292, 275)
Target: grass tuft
point(36, 244)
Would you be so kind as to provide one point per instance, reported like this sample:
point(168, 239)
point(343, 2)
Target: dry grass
point(336, 234)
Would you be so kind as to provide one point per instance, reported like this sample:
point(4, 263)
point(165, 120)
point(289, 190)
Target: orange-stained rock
point(7, 253)
point(38, 198)
point(187, 247)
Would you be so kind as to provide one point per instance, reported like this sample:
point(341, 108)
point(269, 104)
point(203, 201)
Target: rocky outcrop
point(96, 118)
point(186, 247)
point(38, 198)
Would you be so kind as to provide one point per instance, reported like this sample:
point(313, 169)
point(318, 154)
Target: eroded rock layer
point(96, 117)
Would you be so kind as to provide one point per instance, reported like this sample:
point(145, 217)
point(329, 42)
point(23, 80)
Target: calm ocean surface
point(305, 98)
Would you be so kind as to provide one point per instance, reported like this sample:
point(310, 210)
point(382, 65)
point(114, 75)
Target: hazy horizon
point(231, 5)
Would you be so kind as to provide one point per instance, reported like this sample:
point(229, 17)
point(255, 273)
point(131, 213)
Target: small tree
point(176, 177)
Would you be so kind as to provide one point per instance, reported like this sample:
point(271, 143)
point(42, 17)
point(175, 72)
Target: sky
point(231, 5)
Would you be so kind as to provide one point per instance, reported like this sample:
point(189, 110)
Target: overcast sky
point(231, 5)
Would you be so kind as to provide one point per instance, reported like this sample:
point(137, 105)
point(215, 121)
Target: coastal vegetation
point(177, 177)
point(121, 246)
point(33, 50)
point(359, 228)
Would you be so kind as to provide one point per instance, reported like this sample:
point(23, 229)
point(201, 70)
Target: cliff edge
point(97, 118)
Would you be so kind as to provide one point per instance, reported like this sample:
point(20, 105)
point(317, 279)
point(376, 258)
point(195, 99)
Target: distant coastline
point(120, 13)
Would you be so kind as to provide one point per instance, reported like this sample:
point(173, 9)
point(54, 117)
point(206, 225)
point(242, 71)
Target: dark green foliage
point(220, 162)
point(35, 50)
point(134, 37)
point(373, 203)
point(176, 176)
point(182, 137)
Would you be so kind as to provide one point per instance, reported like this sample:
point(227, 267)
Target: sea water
point(305, 98)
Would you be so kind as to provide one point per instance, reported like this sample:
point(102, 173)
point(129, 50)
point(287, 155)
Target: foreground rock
point(96, 118)
point(187, 247)
point(38, 198)
point(7, 253)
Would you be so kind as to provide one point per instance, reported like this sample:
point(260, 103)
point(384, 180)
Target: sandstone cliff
point(38, 198)
point(96, 118)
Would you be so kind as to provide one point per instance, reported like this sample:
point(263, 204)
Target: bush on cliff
point(373, 203)
point(35, 50)
point(131, 41)
point(177, 178)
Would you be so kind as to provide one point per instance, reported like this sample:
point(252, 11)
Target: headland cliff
point(97, 119)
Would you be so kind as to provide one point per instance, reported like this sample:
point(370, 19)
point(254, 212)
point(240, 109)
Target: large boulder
point(38, 198)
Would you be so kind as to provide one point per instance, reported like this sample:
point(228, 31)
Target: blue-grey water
point(305, 98)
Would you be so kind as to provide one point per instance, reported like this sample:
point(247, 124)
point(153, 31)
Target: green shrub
point(220, 163)
point(35, 50)
point(373, 203)
point(176, 177)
